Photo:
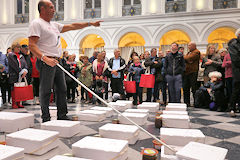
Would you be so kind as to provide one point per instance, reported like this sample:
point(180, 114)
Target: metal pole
point(99, 98)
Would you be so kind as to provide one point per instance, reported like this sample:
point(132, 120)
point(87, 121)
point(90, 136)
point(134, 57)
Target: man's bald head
point(42, 3)
point(192, 46)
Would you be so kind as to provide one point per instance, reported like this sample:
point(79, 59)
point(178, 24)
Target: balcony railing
point(129, 10)
point(90, 13)
point(223, 4)
point(175, 6)
point(21, 18)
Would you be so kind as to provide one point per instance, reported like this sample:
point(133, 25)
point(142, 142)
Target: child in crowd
point(135, 71)
point(3, 84)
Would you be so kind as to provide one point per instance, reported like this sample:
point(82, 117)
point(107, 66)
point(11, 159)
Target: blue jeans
point(138, 94)
point(52, 77)
point(174, 87)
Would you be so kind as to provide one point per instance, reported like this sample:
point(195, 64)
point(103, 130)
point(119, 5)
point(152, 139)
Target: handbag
point(22, 91)
point(147, 80)
point(130, 86)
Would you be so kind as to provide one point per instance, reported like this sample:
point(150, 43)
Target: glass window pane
point(88, 3)
point(127, 2)
point(97, 3)
point(137, 2)
point(61, 5)
point(26, 5)
point(54, 3)
point(19, 6)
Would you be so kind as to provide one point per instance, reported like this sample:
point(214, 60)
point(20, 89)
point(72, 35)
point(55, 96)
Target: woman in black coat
point(17, 68)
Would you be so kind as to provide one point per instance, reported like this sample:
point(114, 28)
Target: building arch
point(124, 30)
point(14, 37)
point(217, 25)
point(181, 27)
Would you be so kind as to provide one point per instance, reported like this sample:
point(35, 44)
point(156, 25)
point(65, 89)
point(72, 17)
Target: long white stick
point(94, 94)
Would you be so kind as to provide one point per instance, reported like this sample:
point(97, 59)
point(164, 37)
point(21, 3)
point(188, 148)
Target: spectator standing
point(91, 59)
point(163, 84)
point(3, 86)
point(35, 78)
point(191, 72)
point(211, 62)
point(135, 71)
point(117, 66)
point(24, 52)
point(174, 68)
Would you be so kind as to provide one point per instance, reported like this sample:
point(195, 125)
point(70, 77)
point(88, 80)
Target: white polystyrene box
point(107, 109)
point(101, 148)
point(175, 121)
point(58, 157)
point(128, 103)
point(34, 141)
point(139, 118)
point(150, 107)
point(165, 156)
point(176, 107)
point(181, 137)
point(92, 115)
point(120, 131)
point(146, 111)
point(10, 153)
point(119, 106)
point(8, 121)
point(175, 112)
point(177, 104)
point(199, 151)
point(151, 103)
point(65, 128)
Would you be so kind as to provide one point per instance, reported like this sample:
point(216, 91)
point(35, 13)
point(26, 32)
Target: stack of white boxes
point(119, 106)
point(65, 128)
point(96, 148)
point(34, 141)
point(139, 118)
point(120, 131)
point(12, 122)
point(10, 153)
point(144, 111)
point(151, 106)
point(129, 104)
point(92, 115)
point(109, 110)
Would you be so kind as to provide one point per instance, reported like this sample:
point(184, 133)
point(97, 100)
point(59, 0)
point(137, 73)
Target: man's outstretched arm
point(76, 26)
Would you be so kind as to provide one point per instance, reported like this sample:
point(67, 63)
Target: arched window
point(59, 7)
point(175, 6)
point(131, 7)
point(223, 4)
point(92, 9)
point(22, 13)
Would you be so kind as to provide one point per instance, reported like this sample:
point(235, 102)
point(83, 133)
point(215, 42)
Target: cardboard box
point(199, 151)
point(34, 141)
point(92, 115)
point(150, 107)
point(96, 148)
point(65, 128)
point(10, 153)
point(175, 121)
point(181, 137)
point(58, 157)
point(12, 122)
point(175, 112)
point(109, 110)
point(119, 106)
point(139, 118)
point(120, 131)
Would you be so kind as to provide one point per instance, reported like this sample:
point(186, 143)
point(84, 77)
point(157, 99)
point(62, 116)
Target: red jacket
point(35, 72)
point(227, 64)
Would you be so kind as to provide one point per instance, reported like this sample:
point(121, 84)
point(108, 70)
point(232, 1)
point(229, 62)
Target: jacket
point(29, 65)
point(217, 62)
point(174, 64)
point(158, 67)
point(4, 61)
point(121, 69)
point(105, 71)
point(14, 70)
point(227, 64)
point(192, 61)
point(137, 70)
point(85, 75)
point(234, 51)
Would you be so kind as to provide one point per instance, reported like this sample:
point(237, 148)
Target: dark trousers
point(174, 87)
point(229, 87)
point(235, 95)
point(35, 83)
point(138, 94)
point(189, 82)
point(117, 86)
point(106, 90)
point(84, 91)
point(52, 77)
point(71, 90)
point(4, 89)
point(163, 87)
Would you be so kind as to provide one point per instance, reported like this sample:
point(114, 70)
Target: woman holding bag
point(17, 69)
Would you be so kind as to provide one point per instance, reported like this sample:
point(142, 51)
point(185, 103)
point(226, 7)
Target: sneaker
point(232, 114)
point(63, 118)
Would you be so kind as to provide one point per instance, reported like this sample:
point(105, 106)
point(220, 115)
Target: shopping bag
point(147, 80)
point(23, 91)
point(130, 86)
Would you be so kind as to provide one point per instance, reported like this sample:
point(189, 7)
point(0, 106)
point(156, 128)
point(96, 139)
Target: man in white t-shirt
point(45, 43)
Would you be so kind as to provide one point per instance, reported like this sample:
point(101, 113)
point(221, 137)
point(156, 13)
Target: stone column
point(150, 7)
point(190, 5)
point(238, 3)
point(33, 10)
